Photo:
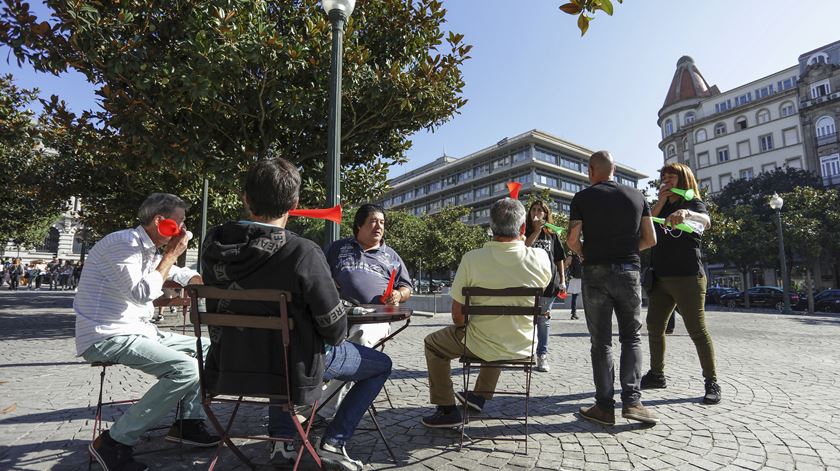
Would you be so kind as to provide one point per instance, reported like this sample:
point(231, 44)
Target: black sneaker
point(574, 317)
point(712, 392)
point(192, 432)
point(442, 419)
point(471, 399)
point(652, 380)
point(113, 455)
point(335, 456)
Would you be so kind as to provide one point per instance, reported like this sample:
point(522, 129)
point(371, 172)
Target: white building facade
point(536, 159)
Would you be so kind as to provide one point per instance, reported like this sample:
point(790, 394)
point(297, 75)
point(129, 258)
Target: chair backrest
point(532, 311)
point(276, 321)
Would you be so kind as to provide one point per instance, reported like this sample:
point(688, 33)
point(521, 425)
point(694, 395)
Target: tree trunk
point(747, 283)
point(809, 282)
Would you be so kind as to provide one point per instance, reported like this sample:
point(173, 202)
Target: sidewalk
point(778, 374)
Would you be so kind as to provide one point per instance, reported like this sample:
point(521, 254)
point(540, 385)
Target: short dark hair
point(272, 187)
point(159, 203)
point(362, 214)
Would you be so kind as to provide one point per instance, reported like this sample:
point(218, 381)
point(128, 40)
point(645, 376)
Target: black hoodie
point(247, 255)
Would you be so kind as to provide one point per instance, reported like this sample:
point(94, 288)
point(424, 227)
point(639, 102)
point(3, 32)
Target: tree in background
point(201, 89)
point(586, 9)
point(31, 191)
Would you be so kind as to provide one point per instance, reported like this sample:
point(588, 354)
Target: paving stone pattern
point(779, 376)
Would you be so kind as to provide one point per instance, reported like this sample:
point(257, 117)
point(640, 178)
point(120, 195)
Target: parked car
point(713, 294)
point(825, 301)
point(760, 296)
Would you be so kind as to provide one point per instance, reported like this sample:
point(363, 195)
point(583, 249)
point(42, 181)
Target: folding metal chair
point(181, 301)
point(525, 364)
point(278, 321)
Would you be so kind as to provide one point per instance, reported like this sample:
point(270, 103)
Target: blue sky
point(531, 69)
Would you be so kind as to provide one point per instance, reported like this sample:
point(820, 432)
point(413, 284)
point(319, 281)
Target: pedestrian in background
point(574, 281)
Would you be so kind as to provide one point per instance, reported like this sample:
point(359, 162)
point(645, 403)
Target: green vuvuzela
point(554, 228)
point(687, 194)
point(681, 226)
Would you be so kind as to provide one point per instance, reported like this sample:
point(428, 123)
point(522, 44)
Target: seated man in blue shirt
point(361, 267)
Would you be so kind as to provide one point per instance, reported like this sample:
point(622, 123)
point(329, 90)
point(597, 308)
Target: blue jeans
point(607, 288)
point(544, 325)
point(170, 358)
point(368, 368)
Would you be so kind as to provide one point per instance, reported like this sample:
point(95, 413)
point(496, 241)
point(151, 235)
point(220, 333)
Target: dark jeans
point(574, 304)
point(607, 288)
point(369, 369)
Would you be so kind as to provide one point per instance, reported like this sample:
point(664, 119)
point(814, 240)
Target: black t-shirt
point(551, 244)
point(677, 253)
point(611, 216)
point(575, 268)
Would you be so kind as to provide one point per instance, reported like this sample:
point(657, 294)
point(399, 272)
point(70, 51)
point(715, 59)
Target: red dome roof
point(687, 83)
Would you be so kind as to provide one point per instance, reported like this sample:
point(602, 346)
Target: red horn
point(513, 188)
point(330, 214)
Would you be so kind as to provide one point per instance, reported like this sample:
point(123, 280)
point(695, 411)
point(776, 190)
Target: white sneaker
point(542, 363)
point(282, 452)
point(336, 457)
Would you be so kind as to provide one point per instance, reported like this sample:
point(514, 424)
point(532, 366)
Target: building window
point(482, 192)
point(744, 149)
point(434, 205)
point(499, 187)
point(465, 197)
point(546, 156)
point(787, 83)
point(725, 179)
point(795, 162)
point(570, 164)
point(787, 109)
point(740, 123)
point(689, 118)
point(499, 163)
point(669, 127)
point(450, 201)
point(763, 92)
point(818, 58)
point(482, 169)
point(830, 167)
point(465, 175)
point(743, 99)
point(571, 187)
point(706, 184)
point(746, 174)
point(723, 154)
point(790, 136)
point(768, 167)
point(765, 142)
point(626, 181)
point(700, 135)
point(703, 159)
point(821, 88)
point(481, 213)
point(825, 127)
point(762, 116)
point(522, 154)
point(434, 186)
point(720, 129)
point(723, 106)
point(546, 180)
point(672, 151)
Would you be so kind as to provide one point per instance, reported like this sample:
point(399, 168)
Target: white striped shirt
point(117, 288)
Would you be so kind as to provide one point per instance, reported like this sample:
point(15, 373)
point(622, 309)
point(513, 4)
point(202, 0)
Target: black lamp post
point(776, 203)
point(339, 11)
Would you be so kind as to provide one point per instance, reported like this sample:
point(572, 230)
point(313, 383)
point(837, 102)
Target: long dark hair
point(548, 217)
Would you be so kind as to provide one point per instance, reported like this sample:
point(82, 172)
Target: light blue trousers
point(170, 358)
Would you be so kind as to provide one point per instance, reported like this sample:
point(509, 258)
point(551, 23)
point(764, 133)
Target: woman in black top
point(537, 235)
point(679, 279)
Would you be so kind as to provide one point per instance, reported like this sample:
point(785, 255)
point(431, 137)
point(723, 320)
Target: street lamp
point(776, 203)
point(338, 11)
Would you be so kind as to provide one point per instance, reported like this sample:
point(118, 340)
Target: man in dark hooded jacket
point(259, 253)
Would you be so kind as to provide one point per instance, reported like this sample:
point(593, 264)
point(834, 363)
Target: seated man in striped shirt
point(124, 273)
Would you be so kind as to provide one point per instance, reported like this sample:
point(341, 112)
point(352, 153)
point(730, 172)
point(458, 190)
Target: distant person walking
point(679, 279)
point(614, 221)
point(574, 280)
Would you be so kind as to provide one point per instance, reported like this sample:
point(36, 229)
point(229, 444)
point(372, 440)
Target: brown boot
point(639, 412)
point(598, 414)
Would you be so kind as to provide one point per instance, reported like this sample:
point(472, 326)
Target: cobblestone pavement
point(778, 374)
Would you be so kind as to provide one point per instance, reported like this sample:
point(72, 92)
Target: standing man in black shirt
point(615, 223)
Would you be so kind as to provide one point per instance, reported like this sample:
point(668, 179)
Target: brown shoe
point(639, 412)
point(598, 414)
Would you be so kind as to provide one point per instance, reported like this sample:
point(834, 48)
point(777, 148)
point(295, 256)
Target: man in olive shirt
point(615, 223)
